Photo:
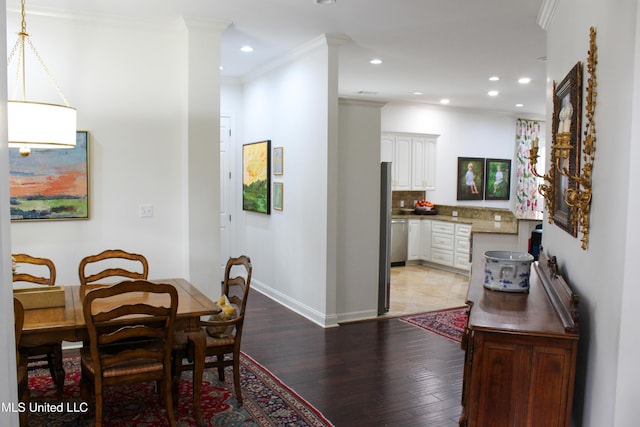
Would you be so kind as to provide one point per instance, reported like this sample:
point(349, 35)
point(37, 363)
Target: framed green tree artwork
point(256, 177)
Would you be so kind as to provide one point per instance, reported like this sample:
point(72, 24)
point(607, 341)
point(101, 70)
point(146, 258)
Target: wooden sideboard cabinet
point(520, 352)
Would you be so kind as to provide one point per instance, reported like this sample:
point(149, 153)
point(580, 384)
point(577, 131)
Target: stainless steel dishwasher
point(399, 240)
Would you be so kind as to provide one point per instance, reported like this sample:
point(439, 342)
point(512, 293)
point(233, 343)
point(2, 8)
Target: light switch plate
point(497, 218)
point(454, 213)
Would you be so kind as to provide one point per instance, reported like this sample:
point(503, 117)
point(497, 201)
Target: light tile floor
point(417, 289)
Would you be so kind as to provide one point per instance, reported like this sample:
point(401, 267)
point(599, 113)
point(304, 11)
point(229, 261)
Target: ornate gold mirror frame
point(562, 185)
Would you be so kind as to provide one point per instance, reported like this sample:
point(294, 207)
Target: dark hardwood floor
point(375, 373)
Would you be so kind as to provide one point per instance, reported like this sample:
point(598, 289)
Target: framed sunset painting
point(256, 177)
point(50, 184)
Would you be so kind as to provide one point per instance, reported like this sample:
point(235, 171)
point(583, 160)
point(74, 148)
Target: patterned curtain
point(528, 200)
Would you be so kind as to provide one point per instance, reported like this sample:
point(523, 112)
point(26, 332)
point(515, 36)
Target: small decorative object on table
point(425, 207)
point(507, 271)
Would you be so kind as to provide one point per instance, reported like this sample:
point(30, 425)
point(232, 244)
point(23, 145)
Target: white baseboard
point(295, 306)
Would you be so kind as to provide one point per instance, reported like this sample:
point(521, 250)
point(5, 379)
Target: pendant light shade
point(40, 125)
point(37, 124)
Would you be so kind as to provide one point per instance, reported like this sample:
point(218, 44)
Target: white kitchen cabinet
point(442, 256)
point(462, 246)
point(442, 243)
point(450, 244)
point(423, 165)
point(386, 148)
point(401, 166)
point(425, 240)
point(439, 242)
point(413, 158)
point(414, 241)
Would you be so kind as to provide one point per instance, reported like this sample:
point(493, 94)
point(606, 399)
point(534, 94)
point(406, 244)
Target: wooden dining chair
point(112, 264)
point(21, 362)
point(223, 337)
point(28, 270)
point(130, 327)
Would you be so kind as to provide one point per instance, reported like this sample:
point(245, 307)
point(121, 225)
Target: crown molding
point(205, 24)
point(545, 14)
point(331, 40)
point(113, 20)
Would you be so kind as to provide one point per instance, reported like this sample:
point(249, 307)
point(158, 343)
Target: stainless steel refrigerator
point(384, 271)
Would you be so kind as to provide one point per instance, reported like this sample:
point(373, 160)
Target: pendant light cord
point(20, 69)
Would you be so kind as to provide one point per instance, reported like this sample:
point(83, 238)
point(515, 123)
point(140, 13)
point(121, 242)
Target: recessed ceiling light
point(375, 61)
point(542, 59)
point(444, 101)
point(524, 80)
point(417, 93)
point(494, 78)
point(519, 105)
point(246, 49)
point(324, 1)
point(493, 93)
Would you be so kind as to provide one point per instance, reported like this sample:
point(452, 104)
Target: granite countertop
point(477, 225)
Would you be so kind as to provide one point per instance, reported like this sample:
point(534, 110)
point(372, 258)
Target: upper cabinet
point(413, 158)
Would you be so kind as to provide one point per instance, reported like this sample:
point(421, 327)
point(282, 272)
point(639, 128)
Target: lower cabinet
point(442, 242)
point(415, 241)
point(425, 240)
point(520, 355)
point(439, 242)
point(517, 380)
point(462, 247)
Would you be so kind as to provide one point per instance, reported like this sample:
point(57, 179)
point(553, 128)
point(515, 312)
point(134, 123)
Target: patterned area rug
point(449, 323)
point(267, 401)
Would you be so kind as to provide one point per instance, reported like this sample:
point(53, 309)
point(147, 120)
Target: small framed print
point(278, 161)
point(278, 190)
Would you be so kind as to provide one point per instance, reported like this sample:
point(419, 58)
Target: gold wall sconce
point(546, 187)
point(566, 189)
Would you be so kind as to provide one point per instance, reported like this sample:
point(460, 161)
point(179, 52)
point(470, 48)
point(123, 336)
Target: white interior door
point(226, 192)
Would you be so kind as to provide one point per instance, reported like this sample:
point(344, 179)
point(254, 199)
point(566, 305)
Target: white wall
point(358, 201)
point(463, 133)
point(605, 275)
point(7, 338)
point(627, 394)
point(289, 104)
point(150, 142)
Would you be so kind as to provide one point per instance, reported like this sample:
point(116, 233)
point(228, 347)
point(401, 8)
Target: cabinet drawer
point(461, 261)
point(442, 256)
point(442, 241)
point(462, 244)
point(463, 230)
point(443, 227)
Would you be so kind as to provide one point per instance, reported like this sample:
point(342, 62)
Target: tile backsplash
point(408, 197)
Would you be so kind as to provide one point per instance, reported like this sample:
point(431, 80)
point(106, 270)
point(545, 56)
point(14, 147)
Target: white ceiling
point(442, 48)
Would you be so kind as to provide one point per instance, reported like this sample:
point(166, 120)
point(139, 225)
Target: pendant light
point(37, 124)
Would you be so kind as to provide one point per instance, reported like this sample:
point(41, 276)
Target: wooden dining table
point(66, 323)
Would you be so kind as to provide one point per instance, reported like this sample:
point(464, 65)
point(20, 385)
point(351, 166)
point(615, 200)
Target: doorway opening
point(418, 288)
